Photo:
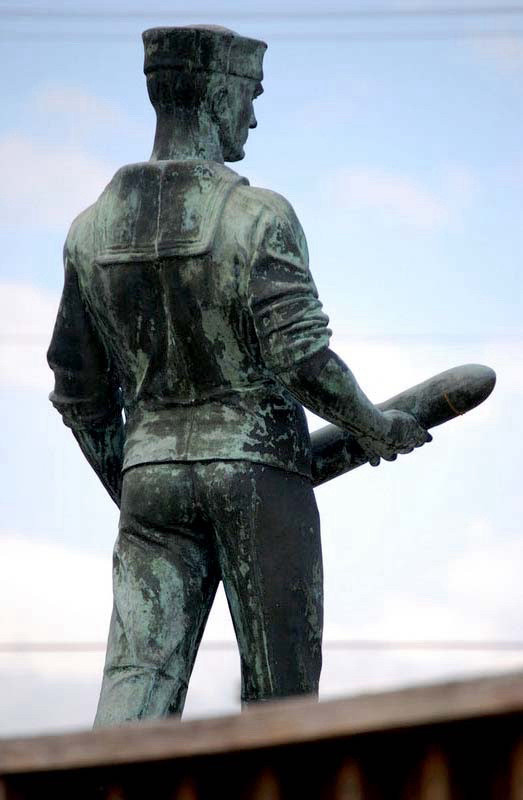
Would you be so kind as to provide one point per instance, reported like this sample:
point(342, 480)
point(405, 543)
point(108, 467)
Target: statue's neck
point(181, 136)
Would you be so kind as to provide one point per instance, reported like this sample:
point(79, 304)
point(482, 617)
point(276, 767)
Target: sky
point(397, 139)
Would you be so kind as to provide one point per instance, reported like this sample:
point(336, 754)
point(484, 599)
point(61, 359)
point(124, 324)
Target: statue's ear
point(219, 103)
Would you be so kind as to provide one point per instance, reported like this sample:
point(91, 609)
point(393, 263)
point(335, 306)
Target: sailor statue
point(188, 341)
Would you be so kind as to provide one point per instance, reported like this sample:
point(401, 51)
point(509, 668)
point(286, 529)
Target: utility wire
point(333, 644)
point(355, 13)
point(22, 340)
point(312, 36)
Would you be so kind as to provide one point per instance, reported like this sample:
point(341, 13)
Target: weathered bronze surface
point(445, 396)
point(189, 337)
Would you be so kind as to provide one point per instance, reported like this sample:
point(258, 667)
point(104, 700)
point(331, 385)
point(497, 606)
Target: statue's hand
point(401, 435)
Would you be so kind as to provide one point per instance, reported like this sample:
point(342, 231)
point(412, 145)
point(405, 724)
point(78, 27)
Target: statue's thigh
point(268, 542)
point(165, 572)
point(165, 576)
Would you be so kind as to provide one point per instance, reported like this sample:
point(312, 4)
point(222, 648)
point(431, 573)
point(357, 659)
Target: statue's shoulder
point(266, 206)
point(271, 212)
point(79, 237)
point(174, 178)
point(168, 208)
point(266, 200)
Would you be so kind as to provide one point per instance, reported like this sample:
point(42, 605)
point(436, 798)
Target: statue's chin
point(235, 155)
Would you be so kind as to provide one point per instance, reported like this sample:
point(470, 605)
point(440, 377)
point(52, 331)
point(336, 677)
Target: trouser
point(183, 528)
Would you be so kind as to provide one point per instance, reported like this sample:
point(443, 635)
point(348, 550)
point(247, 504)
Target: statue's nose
point(253, 122)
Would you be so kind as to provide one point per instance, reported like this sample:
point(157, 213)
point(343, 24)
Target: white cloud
point(469, 601)
point(400, 197)
point(481, 587)
point(46, 184)
point(52, 593)
point(507, 358)
point(491, 570)
point(346, 673)
point(27, 316)
point(397, 198)
point(76, 102)
point(458, 185)
point(505, 52)
point(72, 114)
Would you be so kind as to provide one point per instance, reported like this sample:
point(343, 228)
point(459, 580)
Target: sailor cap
point(208, 48)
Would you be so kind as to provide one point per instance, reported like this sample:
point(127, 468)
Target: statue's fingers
point(374, 461)
point(391, 457)
point(426, 438)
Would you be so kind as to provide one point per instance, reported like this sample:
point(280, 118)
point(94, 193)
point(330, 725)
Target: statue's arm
point(103, 448)
point(325, 385)
point(86, 391)
point(294, 341)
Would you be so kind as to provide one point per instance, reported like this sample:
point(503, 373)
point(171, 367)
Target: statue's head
point(210, 73)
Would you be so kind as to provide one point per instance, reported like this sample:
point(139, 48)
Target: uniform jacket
point(187, 292)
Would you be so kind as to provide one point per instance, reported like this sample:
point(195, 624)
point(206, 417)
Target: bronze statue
point(189, 306)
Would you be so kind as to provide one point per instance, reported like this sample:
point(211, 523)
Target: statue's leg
point(164, 580)
point(268, 541)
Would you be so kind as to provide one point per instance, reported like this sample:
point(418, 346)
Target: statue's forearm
point(103, 448)
point(327, 387)
point(433, 402)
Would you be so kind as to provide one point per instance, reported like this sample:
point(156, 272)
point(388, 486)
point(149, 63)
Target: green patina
point(189, 337)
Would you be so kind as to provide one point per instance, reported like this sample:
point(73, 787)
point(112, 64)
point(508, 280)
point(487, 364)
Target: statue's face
point(237, 116)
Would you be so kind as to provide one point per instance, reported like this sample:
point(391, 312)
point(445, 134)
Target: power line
point(24, 339)
point(333, 644)
point(21, 340)
point(312, 36)
point(356, 13)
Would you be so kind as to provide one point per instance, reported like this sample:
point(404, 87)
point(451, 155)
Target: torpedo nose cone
point(472, 385)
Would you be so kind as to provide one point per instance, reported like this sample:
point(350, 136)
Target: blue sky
point(403, 161)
